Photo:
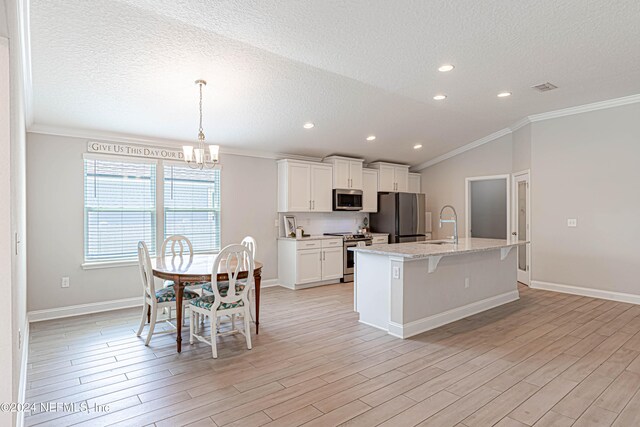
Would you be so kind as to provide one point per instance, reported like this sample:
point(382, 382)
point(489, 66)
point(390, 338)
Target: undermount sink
point(436, 242)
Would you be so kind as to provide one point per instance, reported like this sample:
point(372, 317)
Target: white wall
point(585, 166)
point(55, 216)
point(444, 182)
point(13, 209)
point(6, 326)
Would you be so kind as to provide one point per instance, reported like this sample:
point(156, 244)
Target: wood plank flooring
point(548, 359)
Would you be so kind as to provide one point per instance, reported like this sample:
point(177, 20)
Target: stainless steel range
point(351, 240)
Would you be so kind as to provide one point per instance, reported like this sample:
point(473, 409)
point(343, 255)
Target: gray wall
point(585, 166)
point(55, 217)
point(582, 166)
point(444, 182)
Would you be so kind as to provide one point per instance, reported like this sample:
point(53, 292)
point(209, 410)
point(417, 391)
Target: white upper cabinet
point(369, 190)
point(347, 173)
point(321, 189)
point(414, 182)
point(392, 177)
point(304, 186)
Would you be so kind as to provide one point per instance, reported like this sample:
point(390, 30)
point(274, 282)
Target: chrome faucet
point(454, 220)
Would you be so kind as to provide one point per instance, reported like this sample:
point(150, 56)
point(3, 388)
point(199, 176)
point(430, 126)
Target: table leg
point(179, 288)
point(258, 279)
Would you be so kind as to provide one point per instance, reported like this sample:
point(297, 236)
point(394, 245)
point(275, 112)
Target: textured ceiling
point(354, 68)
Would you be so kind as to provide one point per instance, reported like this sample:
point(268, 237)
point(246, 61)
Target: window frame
point(159, 207)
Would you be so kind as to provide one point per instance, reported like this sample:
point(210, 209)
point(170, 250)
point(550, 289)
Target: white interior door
point(521, 224)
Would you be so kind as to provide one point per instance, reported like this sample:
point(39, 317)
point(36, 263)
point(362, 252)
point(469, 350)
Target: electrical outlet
point(572, 222)
point(396, 272)
point(466, 283)
point(64, 283)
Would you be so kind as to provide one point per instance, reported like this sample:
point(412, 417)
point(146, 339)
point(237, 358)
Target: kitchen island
point(409, 288)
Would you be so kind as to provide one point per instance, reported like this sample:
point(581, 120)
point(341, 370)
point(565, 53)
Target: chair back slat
point(251, 244)
point(146, 271)
point(179, 242)
point(236, 258)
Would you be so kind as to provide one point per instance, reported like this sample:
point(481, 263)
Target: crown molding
point(475, 144)
point(594, 106)
point(156, 142)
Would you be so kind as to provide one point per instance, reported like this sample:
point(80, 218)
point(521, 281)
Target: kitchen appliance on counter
point(347, 200)
point(402, 215)
point(351, 240)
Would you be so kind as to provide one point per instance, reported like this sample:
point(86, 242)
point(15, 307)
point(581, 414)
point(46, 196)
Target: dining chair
point(155, 300)
point(248, 242)
point(229, 300)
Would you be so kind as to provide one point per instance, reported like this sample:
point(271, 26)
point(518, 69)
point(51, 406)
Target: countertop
point(416, 250)
point(311, 237)
point(323, 237)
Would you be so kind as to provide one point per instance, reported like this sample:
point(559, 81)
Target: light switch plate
point(572, 222)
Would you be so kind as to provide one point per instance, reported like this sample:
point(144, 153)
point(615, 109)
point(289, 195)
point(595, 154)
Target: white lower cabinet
point(309, 262)
point(332, 263)
point(308, 266)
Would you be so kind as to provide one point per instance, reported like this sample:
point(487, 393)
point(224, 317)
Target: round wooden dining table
point(197, 269)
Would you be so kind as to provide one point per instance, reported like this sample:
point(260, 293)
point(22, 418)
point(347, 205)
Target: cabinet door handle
point(309, 204)
point(313, 203)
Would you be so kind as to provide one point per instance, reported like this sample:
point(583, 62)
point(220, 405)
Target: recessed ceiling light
point(308, 125)
point(440, 97)
point(371, 138)
point(417, 146)
point(504, 94)
point(446, 67)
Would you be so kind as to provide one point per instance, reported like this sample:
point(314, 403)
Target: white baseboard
point(81, 309)
point(423, 325)
point(22, 385)
point(98, 307)
point(269, 283)
point(586, 292)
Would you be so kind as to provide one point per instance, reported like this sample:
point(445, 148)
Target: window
point(120, 208)
point(192, 206)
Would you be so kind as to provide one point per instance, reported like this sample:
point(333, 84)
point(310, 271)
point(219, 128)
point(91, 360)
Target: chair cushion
point(223, 286)
point(169, 294)
point(207, 301)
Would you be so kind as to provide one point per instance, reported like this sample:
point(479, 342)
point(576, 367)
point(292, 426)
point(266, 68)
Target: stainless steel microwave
point(347, 200)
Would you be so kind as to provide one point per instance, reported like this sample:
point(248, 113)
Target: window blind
point(120, 209)
point(192, 206)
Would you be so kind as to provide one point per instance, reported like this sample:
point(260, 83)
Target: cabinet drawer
point(308, 244)
point(380, 239)
point(331, 243)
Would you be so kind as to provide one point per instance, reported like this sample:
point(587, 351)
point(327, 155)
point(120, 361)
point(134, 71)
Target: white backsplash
point(329, 222)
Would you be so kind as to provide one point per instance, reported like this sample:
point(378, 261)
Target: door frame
point(514, 212)
point(467, 200)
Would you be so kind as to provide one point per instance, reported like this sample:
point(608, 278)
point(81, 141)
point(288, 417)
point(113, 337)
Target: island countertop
point(429, 248)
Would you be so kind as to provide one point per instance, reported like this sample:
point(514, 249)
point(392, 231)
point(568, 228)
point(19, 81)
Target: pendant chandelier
point(196, 157)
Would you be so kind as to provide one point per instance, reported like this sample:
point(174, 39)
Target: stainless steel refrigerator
point(402, 215)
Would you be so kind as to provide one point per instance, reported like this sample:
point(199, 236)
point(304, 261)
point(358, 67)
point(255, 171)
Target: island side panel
point(372, 289)
point(434, 299)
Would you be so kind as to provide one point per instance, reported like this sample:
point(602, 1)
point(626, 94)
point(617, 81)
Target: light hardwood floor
point(547, 359)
